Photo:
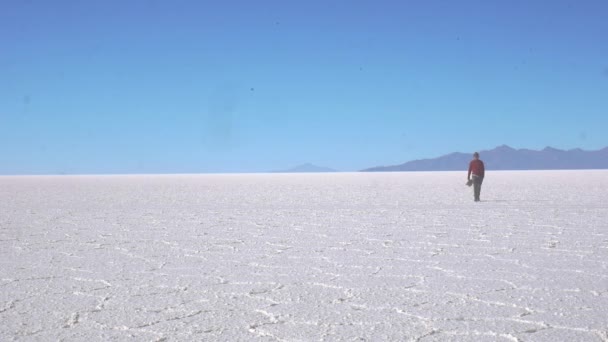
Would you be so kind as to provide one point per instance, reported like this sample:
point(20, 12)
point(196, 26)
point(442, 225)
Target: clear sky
point(250, 86)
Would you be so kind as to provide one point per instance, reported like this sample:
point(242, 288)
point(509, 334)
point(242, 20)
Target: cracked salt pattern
point(305, 257)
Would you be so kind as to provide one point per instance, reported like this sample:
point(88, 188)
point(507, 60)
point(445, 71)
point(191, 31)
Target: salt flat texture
point(305, 257)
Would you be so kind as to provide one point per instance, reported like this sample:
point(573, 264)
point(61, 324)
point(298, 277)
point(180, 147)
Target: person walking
point(477, 170)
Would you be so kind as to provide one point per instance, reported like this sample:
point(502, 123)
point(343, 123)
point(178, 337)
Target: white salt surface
point(305, 257)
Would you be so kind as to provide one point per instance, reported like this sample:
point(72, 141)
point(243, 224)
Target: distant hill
point(306, 168)
point(507, 158)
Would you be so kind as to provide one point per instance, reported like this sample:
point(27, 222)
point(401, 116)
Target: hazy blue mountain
point(507, 158)
point(308, 167)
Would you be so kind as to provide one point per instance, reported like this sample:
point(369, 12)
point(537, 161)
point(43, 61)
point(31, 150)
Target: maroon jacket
point(477, 168)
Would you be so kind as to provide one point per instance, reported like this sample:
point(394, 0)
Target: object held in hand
point(469, 182)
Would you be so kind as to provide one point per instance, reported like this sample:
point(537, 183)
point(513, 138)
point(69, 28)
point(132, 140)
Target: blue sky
point(251, 86)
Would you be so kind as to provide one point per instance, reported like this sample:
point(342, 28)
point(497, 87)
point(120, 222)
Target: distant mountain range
point(507, 158)
point(306, 168)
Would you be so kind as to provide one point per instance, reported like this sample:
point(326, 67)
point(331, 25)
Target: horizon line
point(280, 173)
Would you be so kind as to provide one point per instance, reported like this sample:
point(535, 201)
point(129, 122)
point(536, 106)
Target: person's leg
point(478, 189)
point(475, 188)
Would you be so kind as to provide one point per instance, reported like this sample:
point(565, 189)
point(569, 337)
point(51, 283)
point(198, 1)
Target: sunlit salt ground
point(305, 257)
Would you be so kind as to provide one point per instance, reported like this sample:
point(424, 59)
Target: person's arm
point(470, 168)
point(483, 170)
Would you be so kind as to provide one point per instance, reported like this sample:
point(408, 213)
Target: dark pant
point(477, 186)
